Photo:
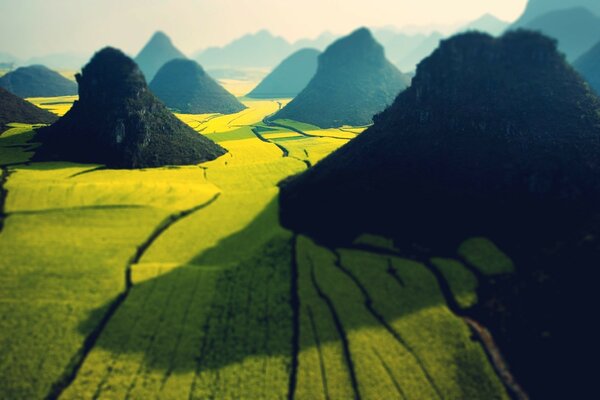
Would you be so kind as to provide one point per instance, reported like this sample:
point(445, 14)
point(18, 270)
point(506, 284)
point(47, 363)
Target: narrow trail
point(272, 124)
point(315, 334)
point(4, 174)
point(74, 366)
point(340, 328)
point(284, 150)
point(295, 304)
point(368, 302)
point(73, 208)
point(267, 121)
point(88, 171)
point(483, 335)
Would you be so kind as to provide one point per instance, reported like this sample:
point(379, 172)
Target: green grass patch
point(486, 256)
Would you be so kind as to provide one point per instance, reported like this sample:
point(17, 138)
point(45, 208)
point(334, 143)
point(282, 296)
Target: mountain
point(588, 65)
point(576, 29)
point(496, 138)
point(468, 128)
point(37, 81)
point(261, 49)
point(120, 123)
point(486, 23)
point(288, 78)
point(536, 8)
point(15, 109)
point(353, 82)
point(156, 53)
point(185, 87)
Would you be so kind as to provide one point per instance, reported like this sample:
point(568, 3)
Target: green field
point(179, 283)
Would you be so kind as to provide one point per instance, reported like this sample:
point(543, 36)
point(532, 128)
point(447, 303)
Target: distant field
point(180, 283)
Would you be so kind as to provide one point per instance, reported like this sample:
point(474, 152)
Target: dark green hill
point(353, 82)
point(497, 138)
point(588, 65)
point(576, 29)
point(288, 78)
point(156, 53)
point(37, 81)
point(15, 109)
point(185, 87)
point(119, 122)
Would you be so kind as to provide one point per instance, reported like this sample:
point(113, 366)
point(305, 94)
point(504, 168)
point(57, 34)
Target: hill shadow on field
point(233, 304)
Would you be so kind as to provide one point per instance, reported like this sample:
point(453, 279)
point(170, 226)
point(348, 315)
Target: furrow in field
point(80, 357)
point(4, 174)
point(315, 334)
point(88, 171)
point(340, 329)
point(323, 372)
point(295, 305)
point(389, 373)
point(483, 336)
point(368, 301)
point(270, 123)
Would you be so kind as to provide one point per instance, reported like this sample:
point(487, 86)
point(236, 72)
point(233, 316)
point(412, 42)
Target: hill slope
point(185, 87)
point(118, 122)
point(288, 78)
point(15, 109)
point(576, 29)
point(353, 82)
point(37, 81)
point(156, 53)
point(495, 138)
point(588, 65)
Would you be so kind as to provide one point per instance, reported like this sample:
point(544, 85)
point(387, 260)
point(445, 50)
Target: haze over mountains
point(576, 29)
point(156, 53)
point(260, 49)
point(185, 87)
point(588, 65)
point(289, 77)
point(37, 81)
point(353, 82)
point(120, 123)
point(536, 8)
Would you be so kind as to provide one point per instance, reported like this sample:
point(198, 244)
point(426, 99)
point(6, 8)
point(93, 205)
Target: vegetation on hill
point(289, 77)
point(119, 122)
point(15, 109)
point(186, 88)
point(158, 51)
point(353, 82)
point(37, 81)
point(495, 137)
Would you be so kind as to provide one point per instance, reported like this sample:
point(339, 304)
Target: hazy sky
point(39, 27)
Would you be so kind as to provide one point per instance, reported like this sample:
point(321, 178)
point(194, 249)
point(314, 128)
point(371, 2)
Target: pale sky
point(39, 27)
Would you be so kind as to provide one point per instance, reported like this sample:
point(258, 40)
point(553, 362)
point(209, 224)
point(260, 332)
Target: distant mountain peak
point(353, 82)
point(158, 51)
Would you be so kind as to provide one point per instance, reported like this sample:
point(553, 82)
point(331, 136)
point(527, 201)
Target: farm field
point(179, 282)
